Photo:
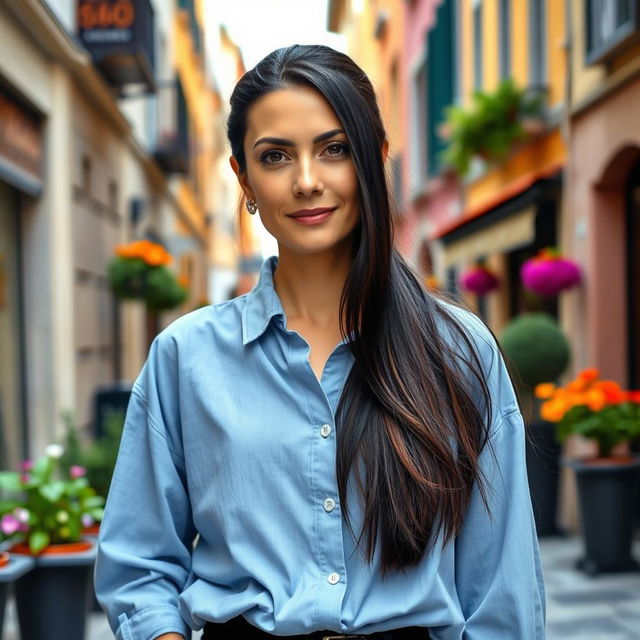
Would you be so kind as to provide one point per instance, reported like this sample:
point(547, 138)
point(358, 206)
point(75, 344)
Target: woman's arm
point(145, 542)
point(498, 570)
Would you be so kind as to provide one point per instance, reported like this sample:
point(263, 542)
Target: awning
point(507, 234)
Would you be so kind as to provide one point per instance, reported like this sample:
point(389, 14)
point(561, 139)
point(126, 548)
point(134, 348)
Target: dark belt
point(239, 629)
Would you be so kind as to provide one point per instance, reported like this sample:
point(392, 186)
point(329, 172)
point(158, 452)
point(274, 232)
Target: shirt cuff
point(150, 623)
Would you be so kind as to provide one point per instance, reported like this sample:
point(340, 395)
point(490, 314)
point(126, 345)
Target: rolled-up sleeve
point(498, 571)
point(145, 542)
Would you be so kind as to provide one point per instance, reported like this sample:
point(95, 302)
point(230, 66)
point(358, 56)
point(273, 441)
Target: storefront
point(20, 179)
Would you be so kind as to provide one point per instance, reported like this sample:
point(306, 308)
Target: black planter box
point(607, 495)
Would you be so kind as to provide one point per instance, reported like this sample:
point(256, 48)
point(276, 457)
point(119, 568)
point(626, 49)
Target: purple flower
point(76, 471)
point(26, 465)
point(9, 525)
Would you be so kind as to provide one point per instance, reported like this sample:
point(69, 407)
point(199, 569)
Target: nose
point(307, 180)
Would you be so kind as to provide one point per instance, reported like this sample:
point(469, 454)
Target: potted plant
point(539, 351)
point(479, 280)
point(600, 410)
point(549, 273)
point(491, 126)
point(48, 508)
point(12, 567)
point(139, 272)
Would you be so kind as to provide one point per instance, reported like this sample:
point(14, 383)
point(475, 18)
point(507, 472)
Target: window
point(612, 25)
point(477, 44)
point(537, 43)
point(504, 27)
point(441, 78)
point(418, 141)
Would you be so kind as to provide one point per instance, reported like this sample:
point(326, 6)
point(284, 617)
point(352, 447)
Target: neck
point(310, 285)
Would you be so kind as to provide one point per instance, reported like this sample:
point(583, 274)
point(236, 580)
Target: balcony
point(172, 147)
point(612, 26)
point(119, 35)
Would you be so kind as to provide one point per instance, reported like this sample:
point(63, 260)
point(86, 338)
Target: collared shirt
point(224, 499)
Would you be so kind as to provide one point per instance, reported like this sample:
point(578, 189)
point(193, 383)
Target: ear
point(385, 151)
point(242, 178)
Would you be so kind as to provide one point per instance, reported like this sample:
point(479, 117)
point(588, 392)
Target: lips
point(309, 213)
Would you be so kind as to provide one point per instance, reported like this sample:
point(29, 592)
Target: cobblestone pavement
point(579, 607)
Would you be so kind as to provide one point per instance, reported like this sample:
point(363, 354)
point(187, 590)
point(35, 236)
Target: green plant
point(45, 503)
point(594, 408)
point(139, 271)
point(536, 346)
point(491, 126)
point(99, 456)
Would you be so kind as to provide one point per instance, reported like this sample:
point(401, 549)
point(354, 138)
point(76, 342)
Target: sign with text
point(119, 34)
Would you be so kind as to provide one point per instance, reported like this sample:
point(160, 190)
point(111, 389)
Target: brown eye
point(272, 157)
point(337, 149)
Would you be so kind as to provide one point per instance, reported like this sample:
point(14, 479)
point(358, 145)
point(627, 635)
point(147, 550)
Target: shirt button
point(329, 505)
point(325, 430)
point(333, 578)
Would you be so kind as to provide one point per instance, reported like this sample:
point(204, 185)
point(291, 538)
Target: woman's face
point(300, 171)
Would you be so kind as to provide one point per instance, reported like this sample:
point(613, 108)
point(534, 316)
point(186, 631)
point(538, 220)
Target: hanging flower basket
point(479, 280)
point(549, 273)
point(139, 271)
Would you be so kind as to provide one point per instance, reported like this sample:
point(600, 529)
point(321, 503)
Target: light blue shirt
point(230, 435)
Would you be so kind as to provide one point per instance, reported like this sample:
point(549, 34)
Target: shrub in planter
point(536, 346)
point(538, 349)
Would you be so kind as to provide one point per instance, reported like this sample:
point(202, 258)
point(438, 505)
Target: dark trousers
point(239, 629)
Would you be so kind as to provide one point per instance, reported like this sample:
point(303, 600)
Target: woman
point(337, 453)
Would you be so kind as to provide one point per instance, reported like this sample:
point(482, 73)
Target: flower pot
point(12, 567)
point(543, 472)
point(53, 599)
point(606, 490)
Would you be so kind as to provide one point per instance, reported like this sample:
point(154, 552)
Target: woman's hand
point(170, 636)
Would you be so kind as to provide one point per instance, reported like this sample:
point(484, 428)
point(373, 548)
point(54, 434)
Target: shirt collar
point(262, 304)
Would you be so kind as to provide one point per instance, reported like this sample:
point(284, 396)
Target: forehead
point(293, 112)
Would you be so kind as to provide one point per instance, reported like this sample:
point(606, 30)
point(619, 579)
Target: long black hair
point(415, 409)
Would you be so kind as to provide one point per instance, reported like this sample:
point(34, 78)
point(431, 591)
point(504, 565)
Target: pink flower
point(9, 525)
point(26, 465)
point(86, 520)
point(76, 471)
point(24, 478)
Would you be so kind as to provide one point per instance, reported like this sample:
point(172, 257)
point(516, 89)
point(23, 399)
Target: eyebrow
point(284, 142)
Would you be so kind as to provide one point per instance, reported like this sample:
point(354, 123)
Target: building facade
point(98, 146)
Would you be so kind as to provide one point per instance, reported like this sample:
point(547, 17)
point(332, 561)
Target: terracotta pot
point(54, 549)
point(4, 558)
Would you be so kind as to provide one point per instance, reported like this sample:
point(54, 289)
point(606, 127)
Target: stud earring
point(252, 207)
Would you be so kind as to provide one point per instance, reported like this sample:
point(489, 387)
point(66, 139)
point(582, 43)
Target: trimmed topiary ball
point(536, 346)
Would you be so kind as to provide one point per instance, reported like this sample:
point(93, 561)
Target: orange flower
point(545, 390)
point(576, 386)
point(153, 254)
point(612, 391)
point(596, 399)
point(553, 410)
point(589, 375)
point(156, 255)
